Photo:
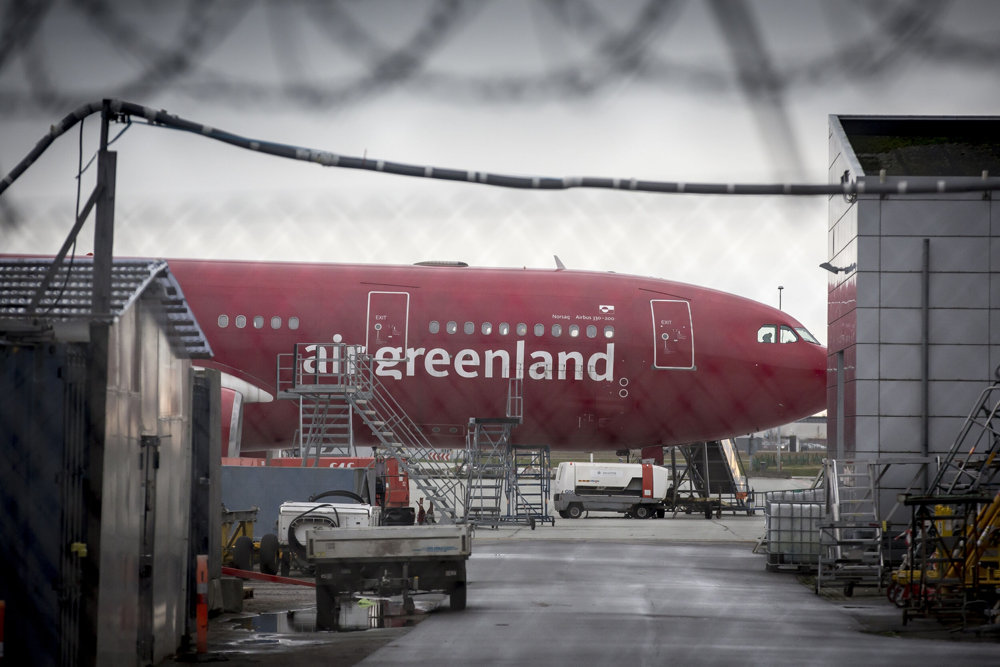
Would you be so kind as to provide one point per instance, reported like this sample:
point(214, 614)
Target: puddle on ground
point(355, 615)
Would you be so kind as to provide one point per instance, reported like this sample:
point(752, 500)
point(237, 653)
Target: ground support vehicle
point(238, 545)
point(387, 560)
point(635, 489)
point(572, 505)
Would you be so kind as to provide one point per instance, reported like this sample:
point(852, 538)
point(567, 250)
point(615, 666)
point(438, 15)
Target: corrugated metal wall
point(42, 450)
point(145, 499)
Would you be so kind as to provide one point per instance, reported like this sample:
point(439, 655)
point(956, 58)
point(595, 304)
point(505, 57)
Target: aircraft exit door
point(673, 335)
point(388, 317)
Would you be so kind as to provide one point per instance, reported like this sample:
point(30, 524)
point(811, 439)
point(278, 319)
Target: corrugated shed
point(68, 296)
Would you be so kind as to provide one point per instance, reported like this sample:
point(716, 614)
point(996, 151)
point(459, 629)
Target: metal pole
point(925, 333)
point(97, 388)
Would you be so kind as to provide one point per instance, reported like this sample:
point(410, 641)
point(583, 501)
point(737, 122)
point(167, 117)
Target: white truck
point(637, 489)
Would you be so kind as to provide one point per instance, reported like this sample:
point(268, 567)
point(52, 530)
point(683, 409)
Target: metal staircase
point(716, 476)
point(952, 562)
point(487, 454)
point(336, 372)
point(500, 471)
point(529, 482)
point(850, 539)
point(325, 427)
point(972, 463)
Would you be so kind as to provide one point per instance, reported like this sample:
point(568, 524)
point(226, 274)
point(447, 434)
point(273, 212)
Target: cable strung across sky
point(120, 110)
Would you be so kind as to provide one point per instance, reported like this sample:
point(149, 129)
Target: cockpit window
point(806, 336)
point(766, 334)
point(773, 333)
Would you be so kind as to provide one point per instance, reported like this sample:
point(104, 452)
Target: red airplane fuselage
point(608, 361)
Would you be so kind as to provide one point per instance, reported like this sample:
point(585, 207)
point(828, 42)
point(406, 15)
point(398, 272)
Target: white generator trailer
point(636, 489)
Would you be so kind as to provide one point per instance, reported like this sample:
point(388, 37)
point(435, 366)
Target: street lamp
point(780, 287)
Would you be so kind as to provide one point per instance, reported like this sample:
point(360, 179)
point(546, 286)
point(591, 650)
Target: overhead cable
point(121, 110)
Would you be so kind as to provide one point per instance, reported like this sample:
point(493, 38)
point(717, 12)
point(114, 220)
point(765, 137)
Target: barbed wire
point(606, 54)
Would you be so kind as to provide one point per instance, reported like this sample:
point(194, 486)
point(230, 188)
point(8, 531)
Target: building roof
point(69, 294)
point(925, 145)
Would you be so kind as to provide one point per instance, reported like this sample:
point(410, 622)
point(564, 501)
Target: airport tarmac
point(604, 590)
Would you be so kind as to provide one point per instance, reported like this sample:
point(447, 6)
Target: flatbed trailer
point(387, 560)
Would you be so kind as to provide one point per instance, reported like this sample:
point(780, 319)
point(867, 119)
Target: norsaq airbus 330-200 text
point(607, 361)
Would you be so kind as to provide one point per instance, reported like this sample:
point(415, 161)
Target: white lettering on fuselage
point(437, 362)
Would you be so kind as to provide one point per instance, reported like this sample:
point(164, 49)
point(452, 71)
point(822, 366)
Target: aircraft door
point(388, 320)
point(673, 334)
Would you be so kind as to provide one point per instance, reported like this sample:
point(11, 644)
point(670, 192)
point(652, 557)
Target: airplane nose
point(805, 391)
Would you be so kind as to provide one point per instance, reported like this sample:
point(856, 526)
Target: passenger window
point(504, 329)
point(451, 327)
point(557, 330)
point(609, 331)
point(434, 327)
point(241, 321)
point(487, 328)
point(258, 322)
point(275, 322)
point(787, 335)
point(574, 331)
point(539, 329)
point(469, 328)
point(591, 331)
point(223, 321)
point(293, 323)
point(522, 329)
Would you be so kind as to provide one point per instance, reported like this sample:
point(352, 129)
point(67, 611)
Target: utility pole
point(97, 391)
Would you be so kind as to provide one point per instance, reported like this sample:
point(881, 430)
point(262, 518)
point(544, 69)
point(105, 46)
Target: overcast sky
point(687, 91)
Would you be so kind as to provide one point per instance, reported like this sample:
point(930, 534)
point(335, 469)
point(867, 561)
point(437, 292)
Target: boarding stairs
point(337, 372)
point(850, 534)
point(325, 427)
point(717, 477)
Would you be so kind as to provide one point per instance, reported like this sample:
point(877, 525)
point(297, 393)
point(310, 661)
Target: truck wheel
point(269, 554)
point(243, 553)
point(574, 511)
point(327, 607)
point(457, 598)
point(641, 512)
point(564, 514)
